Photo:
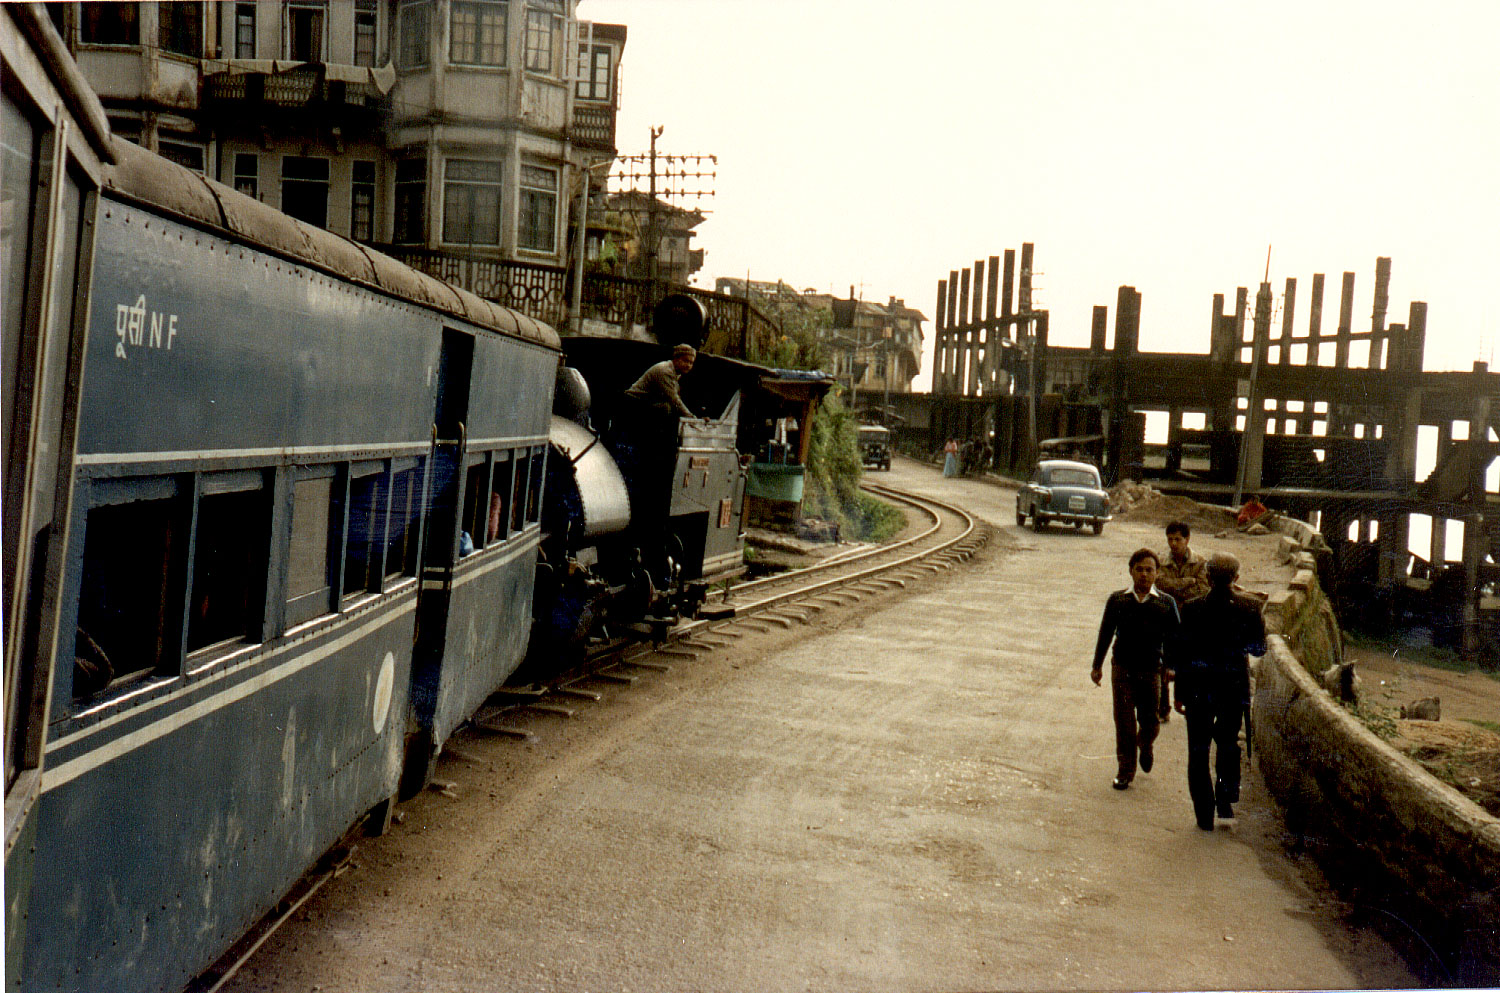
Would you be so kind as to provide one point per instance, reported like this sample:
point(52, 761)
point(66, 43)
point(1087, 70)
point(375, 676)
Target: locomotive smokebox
point(680, 319)
point(570, 398)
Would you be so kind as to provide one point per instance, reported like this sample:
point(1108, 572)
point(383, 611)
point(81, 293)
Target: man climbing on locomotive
point(658, 386)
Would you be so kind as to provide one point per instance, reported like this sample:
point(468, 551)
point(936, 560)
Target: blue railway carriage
point(301, 549)
point(54, 141)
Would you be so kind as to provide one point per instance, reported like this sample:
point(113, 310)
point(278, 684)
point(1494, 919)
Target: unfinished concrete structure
point(1321, 422)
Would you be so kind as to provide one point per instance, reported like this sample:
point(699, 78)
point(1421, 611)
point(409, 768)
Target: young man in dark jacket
point(1219, 631)
point(1142, 623)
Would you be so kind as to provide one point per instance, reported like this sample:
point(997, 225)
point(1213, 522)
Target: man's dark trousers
point(1213, 723)
point(1136, 723)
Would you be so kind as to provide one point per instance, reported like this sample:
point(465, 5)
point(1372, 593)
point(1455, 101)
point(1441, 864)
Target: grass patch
point(876, 520)
point(1432, 656)
point(1487, 725)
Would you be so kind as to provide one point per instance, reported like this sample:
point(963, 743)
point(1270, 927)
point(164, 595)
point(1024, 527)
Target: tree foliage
point(798, 346)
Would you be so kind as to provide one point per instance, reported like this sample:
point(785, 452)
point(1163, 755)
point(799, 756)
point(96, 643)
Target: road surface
point(909, 794)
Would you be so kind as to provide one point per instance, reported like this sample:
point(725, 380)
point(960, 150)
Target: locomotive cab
point(644, 508)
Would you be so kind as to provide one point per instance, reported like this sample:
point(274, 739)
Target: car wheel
point(1098, 528)
point(1038, 522)
point(1020, 518)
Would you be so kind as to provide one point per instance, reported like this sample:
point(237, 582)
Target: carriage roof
point(152, 181)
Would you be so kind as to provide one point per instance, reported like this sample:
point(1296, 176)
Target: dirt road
point(912, 794)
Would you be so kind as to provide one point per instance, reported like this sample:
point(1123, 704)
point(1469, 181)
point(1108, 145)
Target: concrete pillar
point(1475, 525)
point(1346, 318)
point(1253, 441)
point(1437, 550)
point(1378, 337)
point(1288, 306)
point(992, 331)
point(1025, 296)
point(939, 353)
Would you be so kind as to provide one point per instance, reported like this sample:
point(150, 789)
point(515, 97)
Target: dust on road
point(910, 794)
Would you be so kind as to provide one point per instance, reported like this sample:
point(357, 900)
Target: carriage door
point(441, 545)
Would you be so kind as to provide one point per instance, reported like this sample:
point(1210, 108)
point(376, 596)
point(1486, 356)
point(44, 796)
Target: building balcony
point(594, 125)
point(257, 88)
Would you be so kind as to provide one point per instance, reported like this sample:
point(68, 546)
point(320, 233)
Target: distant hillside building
point(621, 244)
point(868, 346)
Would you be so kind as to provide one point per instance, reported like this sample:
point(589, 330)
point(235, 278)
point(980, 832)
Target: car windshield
point(869, 436)
point(1072, 477)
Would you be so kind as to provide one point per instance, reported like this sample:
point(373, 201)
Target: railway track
point(951, 535)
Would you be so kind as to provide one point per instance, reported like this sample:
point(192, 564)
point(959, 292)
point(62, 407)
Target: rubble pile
point(1141, 502)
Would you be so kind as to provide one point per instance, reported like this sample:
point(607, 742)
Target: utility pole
point(666, 180)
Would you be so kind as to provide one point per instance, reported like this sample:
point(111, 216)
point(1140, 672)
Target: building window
point(304, 189)
point(304, 25)
point(244, 30)
point(181, 28)
point(362, 202)
point(247, 174)
point(471, 202)
point(477, 32)
point(411, 194)
point(540, 31)
point(188, 154)
point(594, 72)
point(416, 22)
point(365, 32)
point(538, 220)
point(110, 23)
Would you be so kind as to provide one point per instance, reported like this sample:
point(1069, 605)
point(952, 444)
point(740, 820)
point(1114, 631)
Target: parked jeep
point(874, 446)
point(1066, 492)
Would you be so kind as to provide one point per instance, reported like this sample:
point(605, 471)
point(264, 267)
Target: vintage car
point(874, 446)
point(1066, 492)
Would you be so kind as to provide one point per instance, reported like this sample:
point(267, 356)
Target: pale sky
point(1160, 145)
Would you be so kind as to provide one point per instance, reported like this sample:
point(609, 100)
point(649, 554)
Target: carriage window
point(534, 493)
point(307, 584)
point(476, 507)
point(366, 534)
point(125, 608)
point(518, 495)
point(401, 538)
point(500, 484)
point(229, 567)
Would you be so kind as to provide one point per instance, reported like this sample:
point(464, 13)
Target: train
point(293, 512)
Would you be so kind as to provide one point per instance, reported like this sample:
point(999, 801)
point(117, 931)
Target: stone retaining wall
point(1431, 854)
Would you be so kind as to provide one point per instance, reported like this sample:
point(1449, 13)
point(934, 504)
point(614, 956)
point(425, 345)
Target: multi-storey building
point(444, 129)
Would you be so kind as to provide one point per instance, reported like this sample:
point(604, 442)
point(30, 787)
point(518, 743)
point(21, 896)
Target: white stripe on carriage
point(76, 767)
point(285, 451)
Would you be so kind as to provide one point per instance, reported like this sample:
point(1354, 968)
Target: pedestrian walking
point(1219, 631)
point(1183, 576)
point(950, 458)
point(1142, 623)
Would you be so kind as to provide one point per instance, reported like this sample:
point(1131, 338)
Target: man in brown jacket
point(1183, 576)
